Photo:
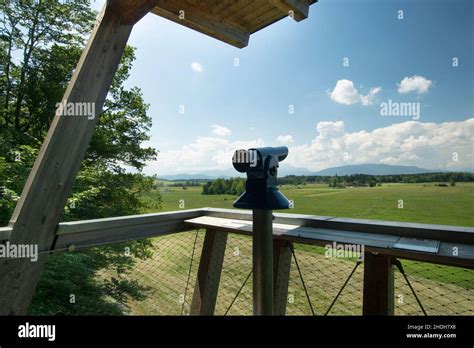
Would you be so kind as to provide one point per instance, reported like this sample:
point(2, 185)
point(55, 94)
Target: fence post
point(281, 274)
point(209, 273)
point(378, 296)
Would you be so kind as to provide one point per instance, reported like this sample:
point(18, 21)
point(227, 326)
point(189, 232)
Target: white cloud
point(220, 131)
point(285, 139)
point(369, 98)
point(427, 145)
point(345, 93)
point(205, 153)
point(416, 83)
point(197, 67)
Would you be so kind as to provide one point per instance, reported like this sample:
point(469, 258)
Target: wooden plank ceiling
point(231, 21)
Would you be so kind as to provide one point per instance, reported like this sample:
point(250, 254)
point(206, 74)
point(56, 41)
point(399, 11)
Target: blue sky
point(337, 109)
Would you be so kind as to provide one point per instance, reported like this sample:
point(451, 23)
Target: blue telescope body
point(261, 188)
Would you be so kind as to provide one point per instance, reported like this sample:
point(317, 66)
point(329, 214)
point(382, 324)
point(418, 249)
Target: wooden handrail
point(309, 229)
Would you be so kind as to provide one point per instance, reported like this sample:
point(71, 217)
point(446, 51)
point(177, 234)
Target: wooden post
point(378, 285)
point(45, 194)
point(281, 274)
point(209, 273)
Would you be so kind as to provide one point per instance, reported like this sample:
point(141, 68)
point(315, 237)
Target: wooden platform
point(382, 243)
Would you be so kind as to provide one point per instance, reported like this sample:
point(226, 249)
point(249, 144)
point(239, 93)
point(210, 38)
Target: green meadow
point(443, 290)
point(424, 203)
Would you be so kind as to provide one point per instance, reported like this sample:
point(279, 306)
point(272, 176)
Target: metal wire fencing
point(431, 289)
point(157, 277)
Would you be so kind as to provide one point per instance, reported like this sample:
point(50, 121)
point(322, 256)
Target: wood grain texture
point(231, 21)
point(202, 21)
point(131, 11)
point(378, 297)
point(375, 240)
point(298, 8)
point(209, 273)
point(281, 274)
point(37, 213)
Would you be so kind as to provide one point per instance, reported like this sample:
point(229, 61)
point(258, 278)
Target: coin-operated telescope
point(261, 188)
point(262, 196)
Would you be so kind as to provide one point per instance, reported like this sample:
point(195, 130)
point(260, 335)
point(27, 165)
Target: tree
point(28, 30)
point(233, 186)
point(372, 182)
point(40, 45)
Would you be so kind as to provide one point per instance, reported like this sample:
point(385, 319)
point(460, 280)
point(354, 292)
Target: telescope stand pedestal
point(262, 262)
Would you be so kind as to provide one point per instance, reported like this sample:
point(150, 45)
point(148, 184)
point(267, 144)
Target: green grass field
point(442, 289)
point(424, 203)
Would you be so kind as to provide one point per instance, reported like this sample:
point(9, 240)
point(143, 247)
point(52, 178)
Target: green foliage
point(334, 182)
point(365, 179)
point(37, 39)
point(233, 186)
point(15, 165)
point(39, 48)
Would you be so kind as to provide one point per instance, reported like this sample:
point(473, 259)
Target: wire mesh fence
point(169, 275)
point(157, 277)
point(324, 278)
point(433, 289)
point(235, 289)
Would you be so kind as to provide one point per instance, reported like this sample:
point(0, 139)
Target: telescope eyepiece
point(261, 166)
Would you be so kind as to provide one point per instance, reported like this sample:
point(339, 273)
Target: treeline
point(185, 184)
point(233, 186)
point(372, 180)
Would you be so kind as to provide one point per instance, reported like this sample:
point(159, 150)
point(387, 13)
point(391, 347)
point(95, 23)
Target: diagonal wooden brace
point(209, 273)
point(49, 184)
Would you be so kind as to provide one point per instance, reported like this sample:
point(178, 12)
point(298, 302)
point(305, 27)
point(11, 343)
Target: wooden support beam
point(378, 296)
point(209, 273)
point(131, 11)
point(297, 9)
point(281, 274)
point(185, 14)
point(45, 194)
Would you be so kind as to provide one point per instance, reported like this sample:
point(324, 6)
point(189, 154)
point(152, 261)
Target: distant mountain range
point(284, 170)
point(372, 169)
point(369, 168)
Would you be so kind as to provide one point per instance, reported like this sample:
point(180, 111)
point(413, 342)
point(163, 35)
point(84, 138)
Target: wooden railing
point(455, 247)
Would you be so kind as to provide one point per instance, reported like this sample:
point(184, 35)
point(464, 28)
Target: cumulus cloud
point(416, 83)
point(197, 67)
point(285, 139)
point(427, 145)
point(205, 153)
point(220, 131)
point(345, 93)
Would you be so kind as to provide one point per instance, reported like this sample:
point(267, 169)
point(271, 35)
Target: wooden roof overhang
point(231, 21)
